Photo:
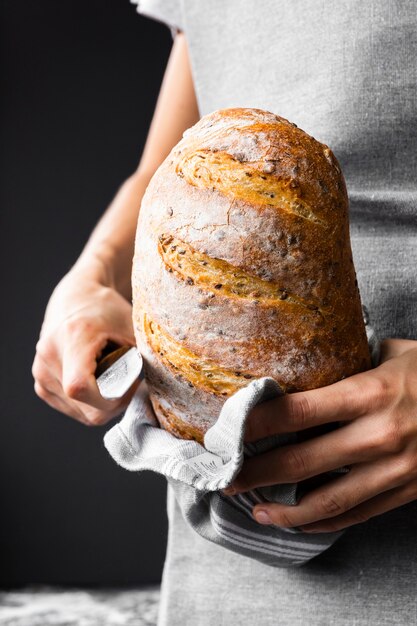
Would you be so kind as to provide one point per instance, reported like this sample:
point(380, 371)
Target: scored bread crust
point(243, 268)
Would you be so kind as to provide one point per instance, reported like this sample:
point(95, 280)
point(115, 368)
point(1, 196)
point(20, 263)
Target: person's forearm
point(91, 305)
point(109, 251)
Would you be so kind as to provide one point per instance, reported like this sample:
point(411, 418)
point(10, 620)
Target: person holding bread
point(345, 74)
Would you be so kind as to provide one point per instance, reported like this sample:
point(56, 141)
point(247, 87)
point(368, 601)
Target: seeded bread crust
point(243, 268)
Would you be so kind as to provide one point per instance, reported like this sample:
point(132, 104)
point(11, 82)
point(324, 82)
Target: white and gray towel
point(197, 473)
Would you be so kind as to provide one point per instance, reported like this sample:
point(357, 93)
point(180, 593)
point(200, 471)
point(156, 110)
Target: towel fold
point(197, 473)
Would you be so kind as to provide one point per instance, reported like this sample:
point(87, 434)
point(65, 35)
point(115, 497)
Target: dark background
point(79, 80)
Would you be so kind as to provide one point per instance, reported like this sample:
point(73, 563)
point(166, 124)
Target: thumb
point(79, 361)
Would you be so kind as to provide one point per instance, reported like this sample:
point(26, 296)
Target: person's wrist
point(96, 266)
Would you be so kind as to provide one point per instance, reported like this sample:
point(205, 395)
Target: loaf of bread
point(243, 268)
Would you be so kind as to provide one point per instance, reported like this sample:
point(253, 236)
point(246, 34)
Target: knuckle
point(301, 409)
point(40, 344)
point(294, 464)
point(387, 437)
point(391, 436)
point(104, 293)
point(40, 391)
point(378, 390)
point(40, 371)
point(95, 417)
point(406, 467)
point(283, 519)
point(75, 388)
point(77, 325)
point(37, 369)
point(72, 325)
point(330, 504)
point(44, 350)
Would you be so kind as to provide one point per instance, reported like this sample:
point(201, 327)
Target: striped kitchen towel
point(197, 473)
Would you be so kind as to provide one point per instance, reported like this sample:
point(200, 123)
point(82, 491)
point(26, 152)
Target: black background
point(79, 81)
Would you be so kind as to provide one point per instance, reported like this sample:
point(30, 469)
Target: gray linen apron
point(345, 72)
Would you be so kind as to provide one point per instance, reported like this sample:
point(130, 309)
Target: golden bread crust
point(243, 268)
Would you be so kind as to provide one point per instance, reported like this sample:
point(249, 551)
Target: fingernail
point(262, 517)
point(229, 491)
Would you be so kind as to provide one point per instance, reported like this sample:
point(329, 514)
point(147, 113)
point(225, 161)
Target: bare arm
point(112, 240)
point(91, 304)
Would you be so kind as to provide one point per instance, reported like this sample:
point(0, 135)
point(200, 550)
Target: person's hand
point(81, 317)
point(377, 441)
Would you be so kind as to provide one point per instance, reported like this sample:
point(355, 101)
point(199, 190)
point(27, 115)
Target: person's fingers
point(44, 374)
point(392, 348)
point(82, 344)
point(46, 360)
point(50, 390)
point(97, 417)
point(363, 512)
point(362, 483)
point(53, 394)
point(352, 443)
point(343, 401)
point(84, 413)
point(57, 403)
point(69, 347)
